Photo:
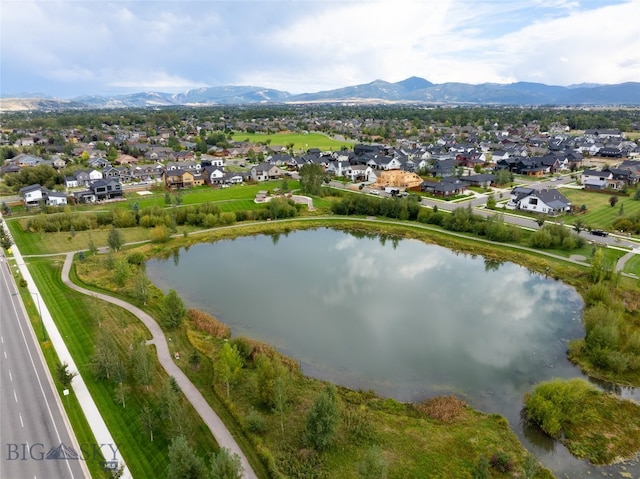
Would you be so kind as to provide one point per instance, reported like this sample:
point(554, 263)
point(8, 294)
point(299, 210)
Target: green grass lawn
point(79, 319)
point(52, 243)
point(633, 265)
point(205, 194)
point(600, 214)
point(301, 142)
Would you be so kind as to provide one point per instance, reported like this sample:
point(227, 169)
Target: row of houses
point(98, 190)
point(625, 175)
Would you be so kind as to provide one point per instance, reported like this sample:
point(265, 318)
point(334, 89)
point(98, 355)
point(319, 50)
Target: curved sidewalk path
point(623, 260)
point(197, 400)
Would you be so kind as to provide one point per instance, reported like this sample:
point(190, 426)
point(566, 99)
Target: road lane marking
point(2, 339)
point(15, 396)
point(5, 354)
point(21, 422)
point(10, 376)
point(37, 375)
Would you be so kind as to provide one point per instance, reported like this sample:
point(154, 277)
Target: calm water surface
point(406, 319)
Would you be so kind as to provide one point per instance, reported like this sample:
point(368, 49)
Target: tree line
point(206, 215)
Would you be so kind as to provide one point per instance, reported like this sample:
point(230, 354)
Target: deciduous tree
point(229, 365)
point(114, 239)
point(148, 420)
point(225, 465)
point(174, 310)
point(183, 461)
point(373, 465)
point(322, 420)
point(311, 176)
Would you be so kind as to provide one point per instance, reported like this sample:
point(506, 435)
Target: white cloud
point(314, 45)
point(154, 80)
point(585, 56)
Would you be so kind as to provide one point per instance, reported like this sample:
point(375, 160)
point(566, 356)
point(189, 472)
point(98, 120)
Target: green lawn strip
point(595, 425)
point(600, 214)
point(53, 243)
point(76, 416)
point(611, 255)
point(204, 194)
point(78, 318)
point(301, 142)
point(633, 265)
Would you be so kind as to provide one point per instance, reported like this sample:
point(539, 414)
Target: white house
point(95, 175)
point(55, 198)
point(549, 202)
point(70, 182)
point(212, 160)
point(32, 195)
point(339, 168)
point(362, 173)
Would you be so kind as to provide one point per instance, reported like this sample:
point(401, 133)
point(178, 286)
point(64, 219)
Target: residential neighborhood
point(100, 163)
point(487, 186)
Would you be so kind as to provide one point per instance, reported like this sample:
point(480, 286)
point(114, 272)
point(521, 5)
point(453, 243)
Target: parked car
point(374, 192)
point(599, 233)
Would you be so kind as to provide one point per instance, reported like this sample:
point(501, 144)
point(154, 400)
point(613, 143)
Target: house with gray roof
point(34, 195)
point(545, 201)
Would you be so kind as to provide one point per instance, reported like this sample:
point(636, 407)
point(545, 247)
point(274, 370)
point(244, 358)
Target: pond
point(406, 319)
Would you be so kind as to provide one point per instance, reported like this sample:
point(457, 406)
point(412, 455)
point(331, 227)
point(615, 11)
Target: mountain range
point(413, 90)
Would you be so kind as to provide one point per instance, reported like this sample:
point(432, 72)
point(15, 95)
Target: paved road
point(480, 200)
point(32, 420)
point(195, 397)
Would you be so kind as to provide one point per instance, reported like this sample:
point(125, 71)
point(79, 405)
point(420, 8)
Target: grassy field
point(600, 214)
point(53, 243)
point(204, 194)
point(80, 319)
point(632, 135)
point(301, 142)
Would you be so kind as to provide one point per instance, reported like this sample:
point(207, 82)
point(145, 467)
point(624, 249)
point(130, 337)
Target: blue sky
point(72, 48)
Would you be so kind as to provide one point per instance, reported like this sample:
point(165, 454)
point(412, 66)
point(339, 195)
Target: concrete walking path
point(88, 406)
point(193, 395)
point(623, 260)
